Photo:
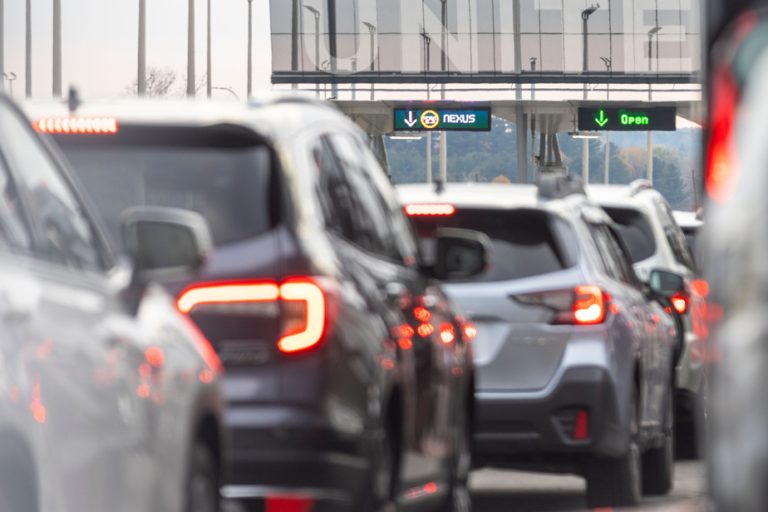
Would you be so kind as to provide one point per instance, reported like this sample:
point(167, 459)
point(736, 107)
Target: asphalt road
point(512, 491)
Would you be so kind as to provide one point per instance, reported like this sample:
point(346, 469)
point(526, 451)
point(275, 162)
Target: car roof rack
point(556, 185)
point(638, 186)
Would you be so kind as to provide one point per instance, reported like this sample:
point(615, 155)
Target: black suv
point(349, 375)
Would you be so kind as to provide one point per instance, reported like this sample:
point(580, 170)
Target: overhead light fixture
point(406, 137)
point(584, 135)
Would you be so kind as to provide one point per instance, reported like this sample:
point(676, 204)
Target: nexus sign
point(442, 119)
point(627, 119)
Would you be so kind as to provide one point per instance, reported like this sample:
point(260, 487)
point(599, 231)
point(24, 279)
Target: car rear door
point(75, 341)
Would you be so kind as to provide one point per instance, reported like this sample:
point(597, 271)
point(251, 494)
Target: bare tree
point(159, 82)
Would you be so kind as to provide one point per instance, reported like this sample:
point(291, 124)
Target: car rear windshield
point(221, 172)
point(526, 243)
point(635, 231)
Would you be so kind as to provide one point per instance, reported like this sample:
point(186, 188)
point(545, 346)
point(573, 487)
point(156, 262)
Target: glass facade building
point(634, 41)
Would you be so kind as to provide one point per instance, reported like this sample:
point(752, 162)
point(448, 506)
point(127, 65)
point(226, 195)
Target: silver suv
point(647, 225)
point(573, 355)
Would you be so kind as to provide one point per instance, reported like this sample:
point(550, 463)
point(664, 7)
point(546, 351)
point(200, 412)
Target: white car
point(655, 241)
point(109, 398)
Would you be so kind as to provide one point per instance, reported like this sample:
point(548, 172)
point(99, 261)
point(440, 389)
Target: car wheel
point(202, 491)
point(381, 493)
point(659, 462)
point(616, 482)
point(458, 499)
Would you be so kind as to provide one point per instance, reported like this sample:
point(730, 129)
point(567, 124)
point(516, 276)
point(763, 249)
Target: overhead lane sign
point(627, 118)
point(442, 119)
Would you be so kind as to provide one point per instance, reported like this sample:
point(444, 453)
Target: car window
point(525, 243)
point(229, 182)
point(636, 232)
point(623, 258)
point(675, 236)
point(334, 193)
point(608, 252)
point(55, 210)
point(372, 224)
point(14, 227)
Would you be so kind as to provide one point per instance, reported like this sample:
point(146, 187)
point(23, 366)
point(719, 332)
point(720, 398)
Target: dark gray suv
point(573, 354)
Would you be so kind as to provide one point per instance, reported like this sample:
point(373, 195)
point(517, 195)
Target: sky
point(100, 43)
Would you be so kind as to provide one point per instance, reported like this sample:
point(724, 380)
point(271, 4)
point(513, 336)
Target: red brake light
point(303, 306)
point(722, 165)
point(77, 125)
point(430, 210)
point(470, 331)
point(447, 333)
point(680, 303)
point(588, 306)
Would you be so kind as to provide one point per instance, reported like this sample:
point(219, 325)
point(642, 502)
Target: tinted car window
point(56, 211)
point(636, 232)
point(226, 182)
point(526, 243)
point(13, 224)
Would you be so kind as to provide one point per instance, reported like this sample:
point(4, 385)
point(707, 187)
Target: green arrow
point(602, 120)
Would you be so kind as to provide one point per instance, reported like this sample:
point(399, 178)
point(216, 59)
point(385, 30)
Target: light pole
point(28, 63)
point(191, 49)
point(250, 49)
point(606, 178)
point(141, 79)
point(649, 150)
point(585, 14)
point(10, 77)
point(427, 44)
point(372, 33)
point(332, 46)
point(294, 38)
point(316, 15)
point(56, 48)
point(208, 60)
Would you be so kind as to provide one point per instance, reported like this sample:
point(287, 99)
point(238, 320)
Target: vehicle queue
point(334, 342)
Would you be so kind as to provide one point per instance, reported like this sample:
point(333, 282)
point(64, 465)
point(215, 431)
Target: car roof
point(472, 195)
point(635, 194)
point(268, 114)
point(687, 219)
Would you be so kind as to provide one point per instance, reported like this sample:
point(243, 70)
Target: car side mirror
point(666, 284)
point(165, 243)
point(460, 254)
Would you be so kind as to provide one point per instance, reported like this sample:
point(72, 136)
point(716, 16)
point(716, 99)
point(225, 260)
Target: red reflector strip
point(77, 125)
point(581, 428)
point(430, 210)
point(288, 504)
point(227, 294)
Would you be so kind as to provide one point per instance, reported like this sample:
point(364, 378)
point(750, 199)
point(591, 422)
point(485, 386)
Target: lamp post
point(191, 49)
point(28, 63)
point(606, 177)
point(294, 38)
point(250, 49)
point(316, 15)
point(208, 60)
point(649, 150)
point(372, 33)
point(2, 44)
point(585, 14)
point(56, 48)
point(141, 79)
point(10, 77)
point(427, 44)
point(332, 47)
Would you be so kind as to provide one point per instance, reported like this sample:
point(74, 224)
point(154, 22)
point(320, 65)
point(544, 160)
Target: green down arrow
point(602, 120)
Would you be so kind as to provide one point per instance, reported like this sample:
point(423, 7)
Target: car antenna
point(439, 186)
point(73, 100)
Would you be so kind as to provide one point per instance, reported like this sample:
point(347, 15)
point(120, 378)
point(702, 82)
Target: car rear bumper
point(517, 427)
point(290, 451)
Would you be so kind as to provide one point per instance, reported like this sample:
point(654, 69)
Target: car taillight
point(722, 166)
point(680, 302)
point(430, 210)
point(77, 125)
point(584, 305)
point(303, 307)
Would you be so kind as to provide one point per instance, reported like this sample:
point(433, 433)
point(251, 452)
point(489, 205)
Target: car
point(655, 241)
point(733, 249)
point(573, 354)
point(690, 223)
point(109, 397)
point(349, 377)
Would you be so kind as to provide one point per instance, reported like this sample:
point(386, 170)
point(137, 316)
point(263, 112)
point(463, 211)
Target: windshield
point(526, 243)
point(229, 186)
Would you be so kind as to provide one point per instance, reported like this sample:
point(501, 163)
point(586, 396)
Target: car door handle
point(19, 299)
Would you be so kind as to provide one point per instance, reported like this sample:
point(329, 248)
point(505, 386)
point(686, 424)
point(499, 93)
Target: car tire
point(202, 487)
point(659, 462)
point(381, 491)
point(458, 498)
point(617, 482)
